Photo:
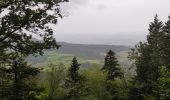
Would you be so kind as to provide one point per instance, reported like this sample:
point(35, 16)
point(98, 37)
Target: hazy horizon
point(110, 39)
point(108, 21)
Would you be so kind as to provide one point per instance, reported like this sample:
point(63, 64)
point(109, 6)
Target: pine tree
point(155, 32)
point(155, 42)
point(166, 43)
point(141, 57)
point(141, 84)
point(4, 83)
point(20, 84)
point(111, 66)
point(147, 56)
point(162, 88)
point(75, 82)
point(147, 59)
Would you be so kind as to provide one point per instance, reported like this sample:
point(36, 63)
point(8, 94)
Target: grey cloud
point(79, 2)
point(72, 5)
point(75, 3)
point(101, 6)
point(129, 17)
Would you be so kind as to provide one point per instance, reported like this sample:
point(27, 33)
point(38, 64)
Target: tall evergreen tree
point(162, 88)
point(23, 87)
point(147, 55)
point(148, 58)
point(20, 85)
point(111, 66)
point(141, 84)
point(140, 56)
point(166, 43)
point(155, 42)
point(155, 32)
point(75, 82)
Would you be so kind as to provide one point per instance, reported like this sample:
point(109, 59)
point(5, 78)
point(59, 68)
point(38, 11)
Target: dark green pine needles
point(111, 66)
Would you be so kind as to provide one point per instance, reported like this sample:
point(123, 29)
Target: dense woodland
point(21, 81)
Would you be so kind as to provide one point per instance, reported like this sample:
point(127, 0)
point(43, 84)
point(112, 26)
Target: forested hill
point(86, 53)
point(89, 51)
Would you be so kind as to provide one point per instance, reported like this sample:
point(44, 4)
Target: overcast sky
point(122, 22)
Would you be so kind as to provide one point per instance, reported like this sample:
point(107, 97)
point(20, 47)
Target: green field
point(87, 55)
point(57, 58)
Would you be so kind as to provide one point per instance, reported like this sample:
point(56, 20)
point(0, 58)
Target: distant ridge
point(86, 52)
point(89, 50)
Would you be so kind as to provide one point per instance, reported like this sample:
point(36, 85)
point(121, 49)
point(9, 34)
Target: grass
point(58, 58)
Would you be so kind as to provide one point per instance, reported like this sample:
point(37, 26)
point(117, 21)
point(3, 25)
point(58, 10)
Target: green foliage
point(142, 61)
point(17, 78)
point(52, 80)
point(111, 66)
point(74, 82)
point(149, 84)
point(147, 55)
point(100, 88)
point(18, 17)
point(166, 43)
point(162, 88)
point(118, 89)
point(21, 19)
point(141, 90)
point(96, 83)
point(56, 74)
point(20, 85)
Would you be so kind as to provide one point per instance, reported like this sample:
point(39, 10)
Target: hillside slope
point(87, 54)
point(89, 51)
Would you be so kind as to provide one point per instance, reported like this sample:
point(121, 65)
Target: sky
point(121, 22)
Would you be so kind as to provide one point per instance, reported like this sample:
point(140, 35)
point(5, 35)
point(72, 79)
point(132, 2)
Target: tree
point(147, 58)
point(96, 83)
point(111, 66)
point(75, 82)
point(163, 86)
point(154, 39)
point(20, 74)
point(21, 20)
point(166, 43)
point(155, 32)
point(142, 61)
point(56, 74)
point(4, 82)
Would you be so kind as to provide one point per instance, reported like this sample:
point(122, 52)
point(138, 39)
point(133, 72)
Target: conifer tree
point(141, 84)
point(20, 84)
point(155, 32)
point(111, 66)
point(75, 82)
point(148, 58)
point(155, 42)
point(166, 43)
point(140, 56)
point(147, 55)
point(162, 88)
